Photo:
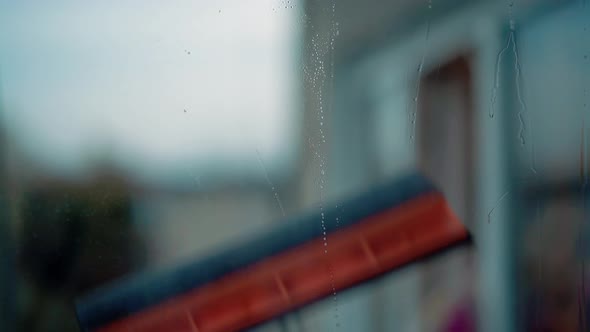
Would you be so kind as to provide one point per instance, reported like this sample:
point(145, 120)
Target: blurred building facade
point(457, 89)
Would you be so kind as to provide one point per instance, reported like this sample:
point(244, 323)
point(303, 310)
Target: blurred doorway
point(445, 153)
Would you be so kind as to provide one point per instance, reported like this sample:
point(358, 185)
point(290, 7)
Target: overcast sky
point(118, 76)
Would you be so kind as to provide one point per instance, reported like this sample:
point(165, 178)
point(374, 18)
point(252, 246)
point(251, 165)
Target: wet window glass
point(294, 165)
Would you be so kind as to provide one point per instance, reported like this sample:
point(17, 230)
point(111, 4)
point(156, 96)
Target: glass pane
point(293, 165)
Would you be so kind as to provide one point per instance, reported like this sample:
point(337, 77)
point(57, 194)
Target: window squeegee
point(295, 264)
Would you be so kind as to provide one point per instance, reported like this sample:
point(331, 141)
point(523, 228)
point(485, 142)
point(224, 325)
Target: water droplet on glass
point(273, 189)
point(491, 110)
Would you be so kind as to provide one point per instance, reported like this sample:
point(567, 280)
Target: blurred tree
point(74, 238)
point(7, 277)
